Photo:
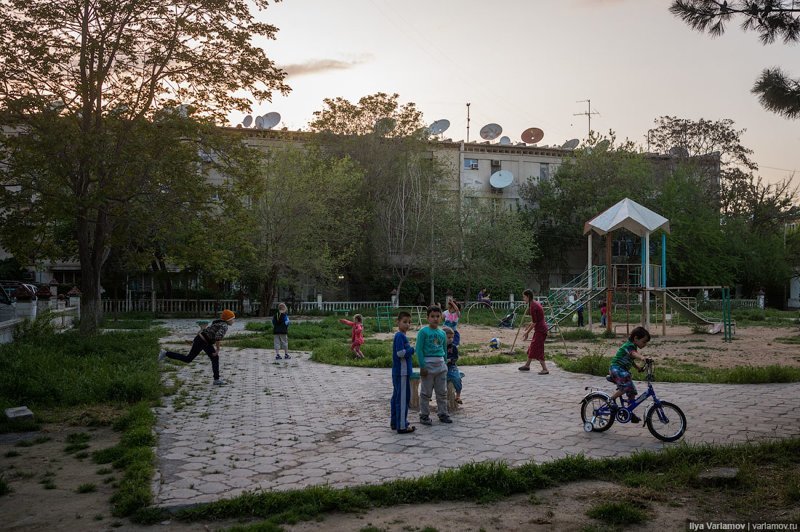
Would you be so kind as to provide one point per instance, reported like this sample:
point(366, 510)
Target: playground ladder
point(558, 304)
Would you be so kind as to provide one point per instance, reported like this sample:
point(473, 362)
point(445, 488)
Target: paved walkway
point(282, 425)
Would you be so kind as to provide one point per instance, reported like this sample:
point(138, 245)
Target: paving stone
point(246, 440)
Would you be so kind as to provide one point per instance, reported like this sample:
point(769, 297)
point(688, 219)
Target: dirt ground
point(36, 505)
point(751, 346)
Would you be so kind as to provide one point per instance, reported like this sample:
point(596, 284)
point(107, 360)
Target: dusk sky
point(527, 63)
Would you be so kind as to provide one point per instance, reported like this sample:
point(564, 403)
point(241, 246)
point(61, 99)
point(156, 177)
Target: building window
point(470, 164)
point(544, 171)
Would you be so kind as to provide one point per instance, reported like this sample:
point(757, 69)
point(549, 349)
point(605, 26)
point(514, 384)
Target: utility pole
point(588, 113)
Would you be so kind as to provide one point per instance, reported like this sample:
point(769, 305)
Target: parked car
point(19, 290)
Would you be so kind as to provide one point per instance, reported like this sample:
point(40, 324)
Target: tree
point(601, 174)
point(402, 177)
point(376, 113)
point(296, 224)
point(752, 214)
point(771, 19)
point(497, 246)
point(729, 182)
point(103, 70)
point(698, 252)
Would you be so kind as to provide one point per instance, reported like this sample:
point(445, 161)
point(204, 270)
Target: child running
point(357, 337)
point(280, 330)
point(431, 353)
point(401, 371)
point(208, 340)
point(453, 373)
point(621, 364)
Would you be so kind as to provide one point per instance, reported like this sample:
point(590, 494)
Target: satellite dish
point(679, 151)
point(259, 122)
point(505, 141)
point(571, 144)
point(247, 121)
point(439, 127)
point(603, 144)
point(491, 131)
point(270, 120)
point(532, 135)
point(384, 125)
point(501, 179)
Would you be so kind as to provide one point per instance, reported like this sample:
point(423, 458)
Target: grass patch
point(128, 323)
point(69, 370)
point(618, 513)
point(672, 371)
point(35, 441)
point(675, 468)
point(9, 426)
point(579, 334)
point(5, 489)
point(794, 340)
point(88, 487)
point(135, 457)
point(11, 454)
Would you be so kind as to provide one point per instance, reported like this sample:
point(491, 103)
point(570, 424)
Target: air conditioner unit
point(473, 166)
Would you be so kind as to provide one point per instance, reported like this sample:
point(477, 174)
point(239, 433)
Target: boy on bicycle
point(621, 364)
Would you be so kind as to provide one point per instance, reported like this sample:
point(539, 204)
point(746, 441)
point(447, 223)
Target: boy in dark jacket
point(280, 328)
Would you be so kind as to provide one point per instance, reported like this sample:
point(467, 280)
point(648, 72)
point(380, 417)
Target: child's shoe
point(635, 418)
point(445, 419)
point(277, 356)
point(286, 356)
point(219, 382)
point(162, 355)
point(425, 420)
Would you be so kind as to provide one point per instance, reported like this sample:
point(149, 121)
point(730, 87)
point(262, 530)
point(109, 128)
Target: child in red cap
point(206, 340)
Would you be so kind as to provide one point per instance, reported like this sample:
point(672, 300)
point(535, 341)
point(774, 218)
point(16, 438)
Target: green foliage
point(107, 158)
point(342, 117)
point(579, 334)
point(283, 236)
point(595, 179)
point(673, 372)
point(134, 454)
point(788, 340)
point(696, 241)
point(87, 487)
point(67, 369)
point(493, 240)
point(5, 489)
point(42, 325)
point(674, 468)
point(618, 513)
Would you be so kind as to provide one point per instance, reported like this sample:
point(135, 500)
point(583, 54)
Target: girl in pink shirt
point(357, 338)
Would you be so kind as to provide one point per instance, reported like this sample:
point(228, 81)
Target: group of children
point(437, 356)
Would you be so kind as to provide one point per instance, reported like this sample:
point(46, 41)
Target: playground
point(753, 345)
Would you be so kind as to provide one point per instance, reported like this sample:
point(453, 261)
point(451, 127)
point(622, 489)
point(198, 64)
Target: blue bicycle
point(663, 419)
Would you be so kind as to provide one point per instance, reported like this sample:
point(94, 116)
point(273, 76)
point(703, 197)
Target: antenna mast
point(588, 113)
point(467, 121)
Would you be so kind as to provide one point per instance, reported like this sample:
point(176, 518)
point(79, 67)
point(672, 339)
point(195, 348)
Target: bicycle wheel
point(666, 421)
point(595, 411)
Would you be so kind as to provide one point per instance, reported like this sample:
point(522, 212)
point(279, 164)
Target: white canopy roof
point(627, 214)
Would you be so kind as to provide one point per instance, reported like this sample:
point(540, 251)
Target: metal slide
point(715, 325)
